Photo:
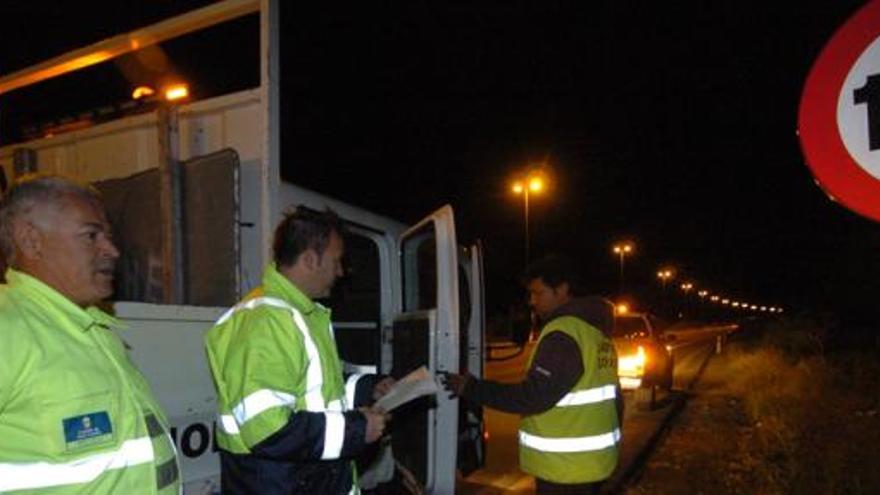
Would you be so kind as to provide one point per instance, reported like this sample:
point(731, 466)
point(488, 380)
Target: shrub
point(815, 415)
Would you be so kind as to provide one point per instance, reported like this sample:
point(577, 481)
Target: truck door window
point(356, 296)
point(419, 259)
point(356, 301)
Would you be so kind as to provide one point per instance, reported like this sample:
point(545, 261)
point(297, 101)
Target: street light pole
point(665, 274)
point(533, 182)
point(622, 249)
point(686, 287)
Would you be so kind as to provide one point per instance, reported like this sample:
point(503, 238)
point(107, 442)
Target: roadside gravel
point(707, 450)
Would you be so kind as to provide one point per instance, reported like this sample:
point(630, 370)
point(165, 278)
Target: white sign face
point(859, 103)
point(839, 115)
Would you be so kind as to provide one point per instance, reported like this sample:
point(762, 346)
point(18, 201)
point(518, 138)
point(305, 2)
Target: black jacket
point(556, 367)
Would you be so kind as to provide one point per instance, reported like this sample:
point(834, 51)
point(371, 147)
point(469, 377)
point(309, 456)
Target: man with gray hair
point(75, 413)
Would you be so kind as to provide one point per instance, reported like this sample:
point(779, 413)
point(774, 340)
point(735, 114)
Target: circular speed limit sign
point(839, 118)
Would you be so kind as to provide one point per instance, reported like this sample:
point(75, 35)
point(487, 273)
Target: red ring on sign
point(835, 170)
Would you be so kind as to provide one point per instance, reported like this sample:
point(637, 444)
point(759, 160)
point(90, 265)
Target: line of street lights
point(534, 181)
point(705, 294)
point(665, 274)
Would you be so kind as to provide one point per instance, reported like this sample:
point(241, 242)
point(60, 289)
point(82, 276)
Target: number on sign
point(870, 94)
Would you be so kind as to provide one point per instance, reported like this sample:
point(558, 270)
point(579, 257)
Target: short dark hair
point(555, 270)
point(301, 229)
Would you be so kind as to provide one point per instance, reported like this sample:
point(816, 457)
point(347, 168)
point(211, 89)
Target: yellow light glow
point(141, 92)
point(176, 92)
point(734, 304)
point(536, 184)
point(622, 309)
point(725, 301)
point(714, 298)
point(623, 248)
point(632, 365)
point(517, 187)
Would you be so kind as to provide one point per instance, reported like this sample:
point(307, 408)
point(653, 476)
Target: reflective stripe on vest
point(589, 396)
point(32, 475)
point(570, 444)
point(351, 388)
point(334, 435)
point(252, 405)
point(261, 400)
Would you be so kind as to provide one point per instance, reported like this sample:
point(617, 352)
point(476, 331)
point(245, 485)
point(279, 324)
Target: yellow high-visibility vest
point(76, 416)
point(576, 441)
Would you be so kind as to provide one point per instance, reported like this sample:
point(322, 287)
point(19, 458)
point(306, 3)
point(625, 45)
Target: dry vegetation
point(779, 412)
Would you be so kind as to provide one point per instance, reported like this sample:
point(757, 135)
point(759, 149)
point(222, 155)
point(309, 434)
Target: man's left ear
point(310, 259)
point(28, 239)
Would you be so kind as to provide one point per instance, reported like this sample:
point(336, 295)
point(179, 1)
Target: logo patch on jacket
point(87, 429)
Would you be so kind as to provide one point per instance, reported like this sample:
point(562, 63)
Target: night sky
point(670, 123)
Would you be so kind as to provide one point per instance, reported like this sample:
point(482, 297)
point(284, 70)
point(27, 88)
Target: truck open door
point(441, 325)
point(426, 332)
point(471, 442)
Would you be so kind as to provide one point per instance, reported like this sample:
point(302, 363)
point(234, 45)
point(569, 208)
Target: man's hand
point(382, 387)
point(376, 421)
point(455, 384)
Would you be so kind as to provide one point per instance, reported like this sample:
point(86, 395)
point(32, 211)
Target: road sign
point(839, 118)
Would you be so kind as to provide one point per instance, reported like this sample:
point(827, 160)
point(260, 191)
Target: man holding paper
point(289, 421)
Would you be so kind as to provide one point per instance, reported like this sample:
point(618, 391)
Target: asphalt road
point(641, 426)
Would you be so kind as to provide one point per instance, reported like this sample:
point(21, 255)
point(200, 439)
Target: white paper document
point(419, 383)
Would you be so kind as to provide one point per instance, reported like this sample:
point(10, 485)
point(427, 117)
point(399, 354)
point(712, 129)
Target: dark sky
point(672, 123)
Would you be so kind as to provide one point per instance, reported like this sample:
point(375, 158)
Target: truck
point(193, 190)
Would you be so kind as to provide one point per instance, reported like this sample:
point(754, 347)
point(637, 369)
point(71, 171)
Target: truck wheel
point(668, 379)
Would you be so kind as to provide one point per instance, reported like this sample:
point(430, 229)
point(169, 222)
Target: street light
point(665, 275)
point(623, 249)
point(532, 183)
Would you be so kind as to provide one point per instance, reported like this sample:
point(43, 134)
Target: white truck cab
point(193, 192)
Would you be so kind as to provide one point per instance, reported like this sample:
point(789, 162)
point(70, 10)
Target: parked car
point(644, 358)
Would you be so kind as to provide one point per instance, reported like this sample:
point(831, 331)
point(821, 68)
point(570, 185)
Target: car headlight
point(632, 365)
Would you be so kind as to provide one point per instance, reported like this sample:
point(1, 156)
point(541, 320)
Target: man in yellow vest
point(289, 421)
point(75, 414)
point(570, 399)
